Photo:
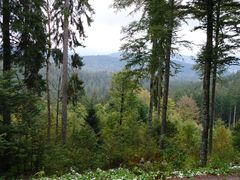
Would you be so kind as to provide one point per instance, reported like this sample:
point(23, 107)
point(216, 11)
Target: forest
point(61, 121)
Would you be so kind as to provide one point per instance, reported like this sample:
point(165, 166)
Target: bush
point(223, 151)
point(86, 152)
point(127, 144)
point(189, 142)
point(236, 137)
point(56, 159)
point(172, 157)
point(82, 152)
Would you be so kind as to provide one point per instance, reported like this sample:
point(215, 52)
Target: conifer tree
point(206, 81)
point(30, 51)
point(6, 53)
point(65, 72)
point(149, 55)
point(170, 29)
point(224, 45)
point(48, 9)
point(68, 31)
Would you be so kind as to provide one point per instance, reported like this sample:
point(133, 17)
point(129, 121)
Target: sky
point(104, 35)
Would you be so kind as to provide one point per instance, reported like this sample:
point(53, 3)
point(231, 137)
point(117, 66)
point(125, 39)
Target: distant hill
point(112, 63)
point(102, 63)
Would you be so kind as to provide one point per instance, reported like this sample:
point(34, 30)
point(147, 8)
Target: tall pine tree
point(68, 31)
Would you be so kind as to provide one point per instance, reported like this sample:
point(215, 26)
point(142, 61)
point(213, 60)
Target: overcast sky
point(104, 35)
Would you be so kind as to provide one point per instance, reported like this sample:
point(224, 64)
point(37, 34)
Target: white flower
point(181, 175)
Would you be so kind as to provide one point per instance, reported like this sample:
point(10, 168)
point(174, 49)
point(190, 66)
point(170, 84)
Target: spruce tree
point(30, 51)
point(48, 9)
point(68, 31)
point(149, 55)
point(206, 81)
point(6, 53)
point(225, 43)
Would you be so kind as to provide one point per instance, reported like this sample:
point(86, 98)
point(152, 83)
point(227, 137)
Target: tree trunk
point(230, 118)
point(48, 103)
point(65, 73)
point(151, 103)
point(6, 54)
point(47, 74)
point(167, 75)
point(159, 92)
point(214, 76)
point(160, 56)
point(212, 116)
point(57, 110)
point(6, 158)
point(234, 115)
point(206, 83)
point(152, 82)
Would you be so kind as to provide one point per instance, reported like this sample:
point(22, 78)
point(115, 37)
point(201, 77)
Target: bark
point(47, 73)
point(160, 78)
point(152, 83)
point(230, 118)
point(65, 73)
point(6, 54)
point(48, 104)
point(214, 76)
point(6, 115)
point(159, 92)
point(213, 108)
point(234, 115)
point(167, 76)
point(206, 83)
point(151, 103)
point(57, 110)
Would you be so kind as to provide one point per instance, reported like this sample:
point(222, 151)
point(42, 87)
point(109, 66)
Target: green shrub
point(86, 152)
point(236, 137)
point(183, 143)
point(82, 152)
point(223, 151)
point(189, 140)
point(127, 144)
point(56, 160)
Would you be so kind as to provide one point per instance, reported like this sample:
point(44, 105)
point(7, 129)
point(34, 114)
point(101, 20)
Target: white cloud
point(104, 35)
point(197, 37)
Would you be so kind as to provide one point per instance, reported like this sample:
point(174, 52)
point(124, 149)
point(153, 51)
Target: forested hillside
point(143, 113)
point(227, 91)
point(112, 63)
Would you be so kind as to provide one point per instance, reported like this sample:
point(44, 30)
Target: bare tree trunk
point(214, 76)
point(47, 73)
point(167, 76)
point(65, 73)
point(48, 104)
point(151, 103)
point(212, 116)
point(159, 93)
point(57, 110)
point(234, 115)
point(230, 118)
point(206, 83)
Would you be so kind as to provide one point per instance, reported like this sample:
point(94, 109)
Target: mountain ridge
point(112, 63)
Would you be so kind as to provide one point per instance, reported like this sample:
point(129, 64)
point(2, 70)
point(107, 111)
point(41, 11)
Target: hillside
point(112, 63)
